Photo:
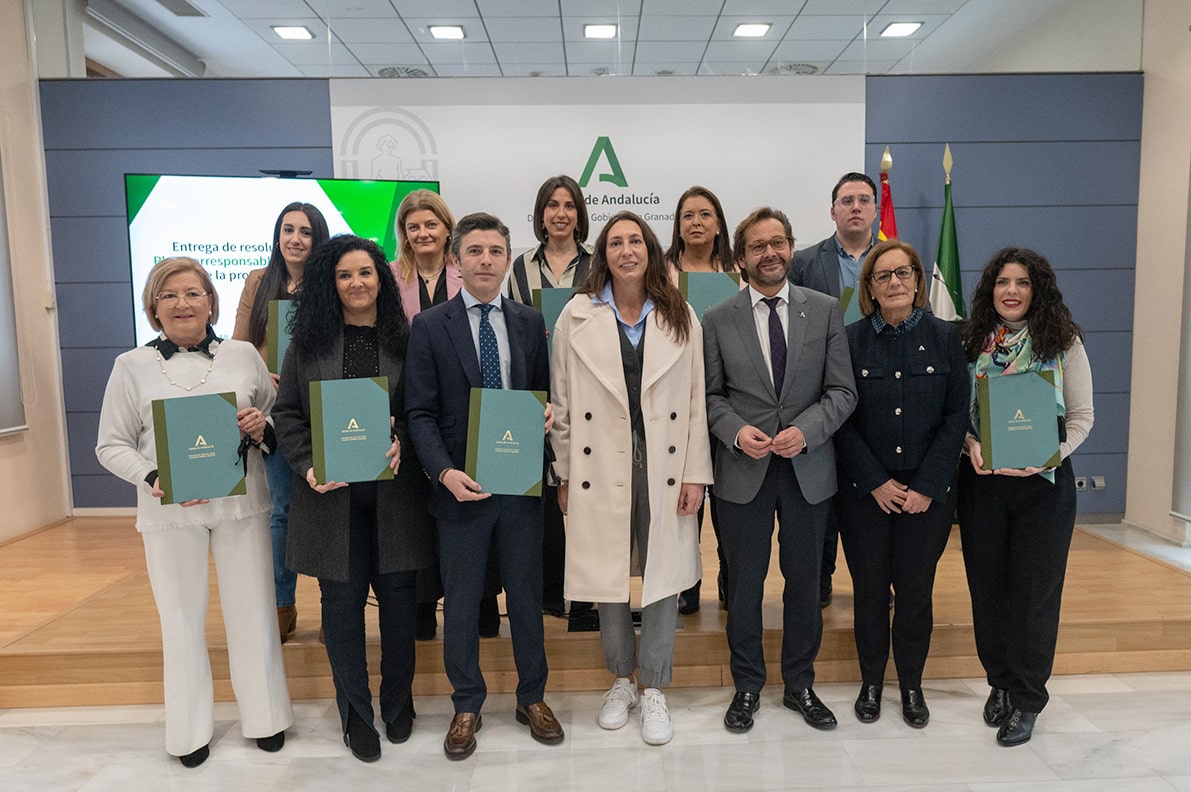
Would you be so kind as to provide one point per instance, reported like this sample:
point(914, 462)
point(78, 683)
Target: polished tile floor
point(1100, 732)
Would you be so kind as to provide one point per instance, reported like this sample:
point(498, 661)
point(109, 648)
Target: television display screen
point(226, 224)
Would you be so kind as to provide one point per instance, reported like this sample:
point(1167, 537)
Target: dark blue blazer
point(817, 267)
point(441, 368)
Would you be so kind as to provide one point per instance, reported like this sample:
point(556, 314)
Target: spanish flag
point(887, 228)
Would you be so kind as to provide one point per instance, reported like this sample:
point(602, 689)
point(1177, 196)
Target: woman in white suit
point(630, 437)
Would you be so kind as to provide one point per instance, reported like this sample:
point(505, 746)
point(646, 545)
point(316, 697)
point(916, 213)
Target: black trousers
point(1016, 536)
point(514, 524)
point(554, 546)
point(747, 531)
point(899, 551)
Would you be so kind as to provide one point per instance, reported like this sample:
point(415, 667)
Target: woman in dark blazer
point(349, 323)
point(897, 458)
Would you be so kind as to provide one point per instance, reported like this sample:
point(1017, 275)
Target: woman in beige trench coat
point(630, 437)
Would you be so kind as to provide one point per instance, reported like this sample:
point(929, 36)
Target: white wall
point(33, 469)
point(1162, 247)
point(1080, 35)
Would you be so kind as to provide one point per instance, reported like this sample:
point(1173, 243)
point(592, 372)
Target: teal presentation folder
point(551, 302)
point(350, 431)
point(506, 440)
point(197, 440)
point(1019, 425)
point(705, 289)
point(850, 306)
point(277, 332)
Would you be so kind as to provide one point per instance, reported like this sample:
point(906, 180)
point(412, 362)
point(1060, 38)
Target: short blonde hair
point(868, 305)
point(166, 269)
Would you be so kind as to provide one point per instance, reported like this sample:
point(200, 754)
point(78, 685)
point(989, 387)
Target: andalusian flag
point(887, 228)
point(946, 290)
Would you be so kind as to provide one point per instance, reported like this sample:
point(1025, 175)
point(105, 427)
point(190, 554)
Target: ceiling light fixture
point(599, 31)
point(293, 32)
point(900, 29)
point(751, 30)
point(448, 32)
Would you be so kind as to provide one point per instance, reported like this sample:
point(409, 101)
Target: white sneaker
point(617, 702)
point(656, 728)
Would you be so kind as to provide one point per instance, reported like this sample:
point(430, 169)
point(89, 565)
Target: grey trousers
point(659, 620)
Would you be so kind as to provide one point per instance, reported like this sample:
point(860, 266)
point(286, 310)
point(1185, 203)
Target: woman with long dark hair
point(299, 229)
point(630, 437)
point(701, 242)
point(1016, 524)
point(349, 323)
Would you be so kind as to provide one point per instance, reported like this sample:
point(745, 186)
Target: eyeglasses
point(863, 199)
point(779, 244)
point(882, 277)
point(191, 296)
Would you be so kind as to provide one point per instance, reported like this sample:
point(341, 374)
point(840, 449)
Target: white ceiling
point(512, 38)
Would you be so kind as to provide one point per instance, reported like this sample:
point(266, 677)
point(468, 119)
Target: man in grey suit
point(830, 267)
point(779, 384)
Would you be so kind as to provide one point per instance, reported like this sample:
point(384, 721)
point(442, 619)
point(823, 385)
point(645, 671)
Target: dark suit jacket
point(817, 268)
point(817, 396)
point(913, 409)
point(441, 368)
point(318, 523)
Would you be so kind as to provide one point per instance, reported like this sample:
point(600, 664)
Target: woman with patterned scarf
point(1016, 524)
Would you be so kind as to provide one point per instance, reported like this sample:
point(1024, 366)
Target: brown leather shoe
point(461, 737)
point(544, 727)
point(287, 620)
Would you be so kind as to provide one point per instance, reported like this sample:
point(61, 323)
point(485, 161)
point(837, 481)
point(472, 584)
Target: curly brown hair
point(1052, 329)
point(667, 299)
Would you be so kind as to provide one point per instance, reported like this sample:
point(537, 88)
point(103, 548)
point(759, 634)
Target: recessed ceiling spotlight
point(293, 32)
point(900, 29)
point(599, 31)
point(448, 32)
point(751, 30)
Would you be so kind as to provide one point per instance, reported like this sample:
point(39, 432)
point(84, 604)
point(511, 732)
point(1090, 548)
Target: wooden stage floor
point(78, 625)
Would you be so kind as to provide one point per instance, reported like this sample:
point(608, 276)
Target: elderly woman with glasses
point(896, 457)
point(187, 359)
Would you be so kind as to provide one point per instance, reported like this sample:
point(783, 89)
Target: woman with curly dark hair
point(299, 229)
point(1016, 524)
point(349, 323)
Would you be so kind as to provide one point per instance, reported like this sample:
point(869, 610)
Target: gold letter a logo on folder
point(1019, 416)
point(353, 425)
point(507, 437)
point(200, 442)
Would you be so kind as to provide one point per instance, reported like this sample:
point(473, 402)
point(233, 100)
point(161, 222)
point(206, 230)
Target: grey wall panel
point(1111, 431)
point(102, 492)
point(88, 183)
point(85, 249)
point(89, 370)
point(82, 429)
point(1025, 174)
point(1000, 107)
point(94, 315)
point(1099, 300)
point(1109, 500)
point(1111, 356)
point(199, 114)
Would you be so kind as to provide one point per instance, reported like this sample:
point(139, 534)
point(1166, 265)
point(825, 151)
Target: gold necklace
point(161, 365)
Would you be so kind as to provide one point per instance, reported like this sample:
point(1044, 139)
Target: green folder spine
point(1035, 392)
point(277, 336)
point(505, 440)
point(215, 470)
point(849, 303)
point(350, 429)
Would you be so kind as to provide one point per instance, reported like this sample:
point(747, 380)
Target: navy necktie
point(490, 353)
point(777, 345)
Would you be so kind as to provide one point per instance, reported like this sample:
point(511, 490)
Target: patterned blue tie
point(489, 353)
point(777, 345)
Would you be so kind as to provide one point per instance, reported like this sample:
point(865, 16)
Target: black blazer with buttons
point(912, 407)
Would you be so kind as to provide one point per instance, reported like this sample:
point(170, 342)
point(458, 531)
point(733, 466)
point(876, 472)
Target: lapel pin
point(921, 348)
point(801, 314)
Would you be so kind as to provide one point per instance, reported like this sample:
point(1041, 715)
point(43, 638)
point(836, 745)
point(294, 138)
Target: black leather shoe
point(998, 707)
point(914, 710)
point(426, 621)
point(361, 739)
point(583, 620)
point(688, 601)
point(739, 717)
point(552, 607)
point(1017, 728)
point(399, 730)
point(195, 758)
point(489, 618)
point(271, 744)
point(824, 591)
point(868, 703)
point(814, 712)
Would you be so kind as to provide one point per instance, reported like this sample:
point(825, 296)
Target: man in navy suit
point(830, 267)
point(477, 339)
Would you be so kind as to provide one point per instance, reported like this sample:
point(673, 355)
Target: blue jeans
point(281, 482)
